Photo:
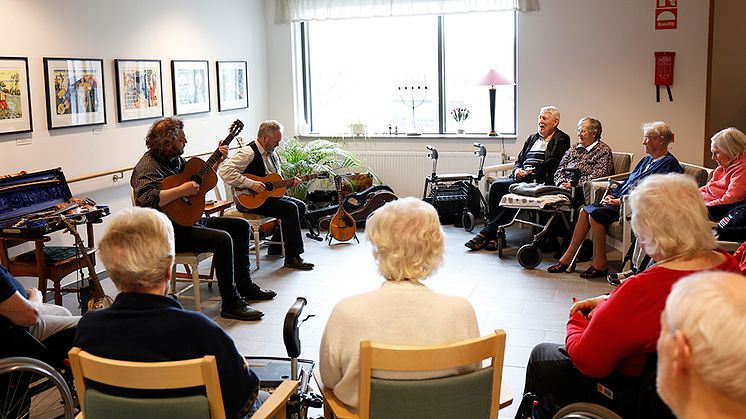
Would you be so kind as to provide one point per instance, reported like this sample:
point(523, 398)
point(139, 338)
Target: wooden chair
point(256, 221)
point(477, 394)
point(199, 372)
point(190, 261)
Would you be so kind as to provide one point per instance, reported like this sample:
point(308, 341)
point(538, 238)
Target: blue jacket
point(667, 164)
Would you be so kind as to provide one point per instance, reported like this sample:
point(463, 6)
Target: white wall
point(588, 57)
point(134, 29)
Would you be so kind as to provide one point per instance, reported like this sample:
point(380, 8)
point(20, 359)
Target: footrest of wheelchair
point(272, 371)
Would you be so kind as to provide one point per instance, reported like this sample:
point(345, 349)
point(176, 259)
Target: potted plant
point(299, 158)
point(460, 115)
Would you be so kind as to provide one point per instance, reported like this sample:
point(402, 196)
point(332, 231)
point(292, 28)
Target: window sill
point(408, 138)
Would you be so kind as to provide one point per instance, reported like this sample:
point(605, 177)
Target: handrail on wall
point(119, 173)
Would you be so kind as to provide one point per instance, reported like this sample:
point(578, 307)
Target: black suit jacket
point(544, 173)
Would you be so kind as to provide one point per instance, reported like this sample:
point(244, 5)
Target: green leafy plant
point(460, 114)
point(300, 158)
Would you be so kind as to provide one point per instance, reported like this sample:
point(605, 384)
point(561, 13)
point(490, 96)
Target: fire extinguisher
point(664, 73)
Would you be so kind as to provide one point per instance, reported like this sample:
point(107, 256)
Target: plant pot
point(460, 131)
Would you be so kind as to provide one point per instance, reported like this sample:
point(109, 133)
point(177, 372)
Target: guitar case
point(352, 204)
point(373, 201)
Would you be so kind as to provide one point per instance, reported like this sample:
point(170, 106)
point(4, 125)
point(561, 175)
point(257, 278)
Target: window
point(408, 72)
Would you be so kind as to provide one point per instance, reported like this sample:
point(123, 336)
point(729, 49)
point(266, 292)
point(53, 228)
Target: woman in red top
point(728, 184)
point(610, 336)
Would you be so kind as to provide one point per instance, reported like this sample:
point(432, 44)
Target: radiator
point(405, 171)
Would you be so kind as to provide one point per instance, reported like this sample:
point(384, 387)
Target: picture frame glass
point(75, 92)
point(15, 100)
point(139, 89)
point(233, 90)
point(191, 83)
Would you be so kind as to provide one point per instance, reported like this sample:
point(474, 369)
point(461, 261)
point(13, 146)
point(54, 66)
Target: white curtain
point(305, 10)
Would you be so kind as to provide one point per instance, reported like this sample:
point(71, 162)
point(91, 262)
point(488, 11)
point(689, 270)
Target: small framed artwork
point(191, 84)
point(233, 91)
point(75, 92)
point(15, 96)
point(139, 89)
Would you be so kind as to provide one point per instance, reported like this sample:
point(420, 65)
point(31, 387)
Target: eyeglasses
point(628, 218)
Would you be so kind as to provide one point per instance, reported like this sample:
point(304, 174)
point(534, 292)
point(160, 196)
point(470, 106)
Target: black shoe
point(239, 310)
point(253, 292)
point(297, 262)
point(274, 250)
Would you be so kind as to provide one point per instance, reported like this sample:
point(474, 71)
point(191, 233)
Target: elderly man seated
point(146, 326)
point(23, 312)
point(701, 347)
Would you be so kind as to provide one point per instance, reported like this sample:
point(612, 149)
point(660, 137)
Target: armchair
point(476, 394)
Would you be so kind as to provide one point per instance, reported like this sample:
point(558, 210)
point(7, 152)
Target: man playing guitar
point(259, 158)
point(227, 238)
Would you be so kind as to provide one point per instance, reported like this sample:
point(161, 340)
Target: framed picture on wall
point(15, 96)
point(139, 89)
point(75, 92)
point(191, 84)
point(233, 89)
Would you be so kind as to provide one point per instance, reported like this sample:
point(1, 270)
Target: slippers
point(594, 273)
point(476, 243)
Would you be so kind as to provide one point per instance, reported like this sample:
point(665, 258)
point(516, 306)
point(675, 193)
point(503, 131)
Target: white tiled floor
point(530, 305)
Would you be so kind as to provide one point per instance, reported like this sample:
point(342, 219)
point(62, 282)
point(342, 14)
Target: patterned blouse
point(594, 163)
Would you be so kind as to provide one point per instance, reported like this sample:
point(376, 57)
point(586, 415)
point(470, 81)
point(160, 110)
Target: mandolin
point(342, 226)
point(275, 187)
point(98, 299)
point(188, 209)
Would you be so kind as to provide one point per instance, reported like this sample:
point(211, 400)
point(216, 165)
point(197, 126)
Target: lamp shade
point(493, 78)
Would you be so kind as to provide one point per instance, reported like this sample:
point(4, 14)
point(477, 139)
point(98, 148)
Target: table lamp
point(492, 79)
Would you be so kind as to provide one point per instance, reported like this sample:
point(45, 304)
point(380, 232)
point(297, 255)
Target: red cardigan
point(626, 326)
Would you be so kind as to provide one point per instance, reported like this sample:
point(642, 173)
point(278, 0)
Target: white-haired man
point(144, 324)
point(701, 347)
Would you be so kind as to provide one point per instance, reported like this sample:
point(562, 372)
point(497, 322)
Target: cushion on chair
point(460, 396)
point(102, 405)
point(700, 174)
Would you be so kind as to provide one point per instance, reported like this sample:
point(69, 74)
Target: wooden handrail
point(119, 173)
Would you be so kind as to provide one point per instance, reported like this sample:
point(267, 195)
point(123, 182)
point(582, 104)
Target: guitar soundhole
point(197, 179)
point(269, 186)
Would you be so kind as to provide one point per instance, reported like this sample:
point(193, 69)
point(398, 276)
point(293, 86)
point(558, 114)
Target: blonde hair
point(709, 308)
point(137, 248)
point(730, 141)
point(407, 239)
point(669, 216)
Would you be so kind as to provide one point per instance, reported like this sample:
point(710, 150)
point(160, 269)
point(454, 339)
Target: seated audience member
point(23, 311)
point(610, 336)
point(144, 324)
point(701, 347)
point(728, 184)
point(537, 162)
point(408, 246)
point(591, 156)
point(657, 136)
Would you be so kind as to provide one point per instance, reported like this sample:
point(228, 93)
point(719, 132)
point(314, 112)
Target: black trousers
point(290, 211)
point(551, 374)
point(228, 239)
point(498, 215)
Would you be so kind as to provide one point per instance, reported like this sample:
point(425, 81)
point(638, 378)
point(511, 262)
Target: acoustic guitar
point(274, 185)
point(342, 226)
point(188, 209)
point(98, 298)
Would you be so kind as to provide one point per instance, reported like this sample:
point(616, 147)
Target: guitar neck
point(286, 182)
point(236, 128)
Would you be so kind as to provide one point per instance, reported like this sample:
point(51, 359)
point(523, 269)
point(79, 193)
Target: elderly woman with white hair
point(701, 347)
point(407, 244)
point(610, 336)
point(727, 188)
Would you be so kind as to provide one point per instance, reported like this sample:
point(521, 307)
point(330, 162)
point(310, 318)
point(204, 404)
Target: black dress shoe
point(297, 262)
point(239, 310)
point(594, 273)
point(253, 292)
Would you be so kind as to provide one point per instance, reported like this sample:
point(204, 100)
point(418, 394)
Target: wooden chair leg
point(195, 286)
point(255, 229)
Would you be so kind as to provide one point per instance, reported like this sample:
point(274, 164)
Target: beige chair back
point(700, 174)
point(622, 161)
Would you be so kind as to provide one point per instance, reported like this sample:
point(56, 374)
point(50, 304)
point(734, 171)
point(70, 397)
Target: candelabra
point(413, 96)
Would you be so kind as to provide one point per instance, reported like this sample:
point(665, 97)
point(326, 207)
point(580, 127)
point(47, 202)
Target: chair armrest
point(498, 168)
point(274, 406)
point(334, 408)
point(618, 176)
point(506, 396)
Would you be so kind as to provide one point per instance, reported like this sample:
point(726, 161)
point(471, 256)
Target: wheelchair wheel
point(32, 389)
point(529, 256)
point(585, 411)
point(468, 221)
